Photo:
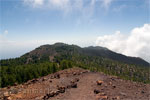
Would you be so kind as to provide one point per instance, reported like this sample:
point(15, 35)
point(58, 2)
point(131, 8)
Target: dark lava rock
point(74, 85)
point(61, 89)
point(96, 91)
point(57, 76)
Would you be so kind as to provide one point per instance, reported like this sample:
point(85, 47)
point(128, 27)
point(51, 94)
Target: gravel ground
point(77, 84)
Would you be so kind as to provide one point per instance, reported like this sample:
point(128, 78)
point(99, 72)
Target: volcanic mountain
point(59, 49)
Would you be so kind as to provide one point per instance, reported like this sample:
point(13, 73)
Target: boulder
point(116, 98)
point(57, 76)
point(50, 81)
point(34, 80)
point(74, 73)
point(74, 85)
point(114, 86)
point(99, 82)
point(99, 97)
point(13, 91)
point(51, 94)
point(44, 79)
point(142, 91)
point(61, 89)
point(76, 79)
point(7, 96)
point(96, 91)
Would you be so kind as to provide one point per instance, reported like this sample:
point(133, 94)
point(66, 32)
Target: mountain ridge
point(55, 49)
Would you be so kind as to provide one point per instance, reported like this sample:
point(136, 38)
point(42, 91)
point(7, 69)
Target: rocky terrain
point(77, 84)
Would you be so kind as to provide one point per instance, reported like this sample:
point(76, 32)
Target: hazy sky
point(120, 25)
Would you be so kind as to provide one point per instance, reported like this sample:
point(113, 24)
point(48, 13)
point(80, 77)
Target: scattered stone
point(96, 91)
point(57, 92)
point(112, 78)
point(6, 96)
point(34, 80)
point(51, 94)
point(105, 85)
point(65, 83)
point(124, 94)
point(61, 89)
point(142, 92)
point(99, 97)
point(52, 77)
point(13, 91)
point(57, 76)
point(77, 79)
point(44, 79)
point(9, 98)
point(68, 86)
point(116, 98)
point(114, 86)
point(110, 83)
point(99, 82)
point(74, 73)
point(74, 85)
point(102, 94)
point(50, 81)
point(39, 98)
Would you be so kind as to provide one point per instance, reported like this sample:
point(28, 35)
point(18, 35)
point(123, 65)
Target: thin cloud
point(68, 5)
point(106, 3)
point(83, 8)
point(34, 3)
point(38, 2)
point(137, 43)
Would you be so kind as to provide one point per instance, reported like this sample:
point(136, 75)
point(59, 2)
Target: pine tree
point(54, 69)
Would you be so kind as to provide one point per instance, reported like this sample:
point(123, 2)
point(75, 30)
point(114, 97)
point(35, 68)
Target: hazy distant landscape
point(74, 50)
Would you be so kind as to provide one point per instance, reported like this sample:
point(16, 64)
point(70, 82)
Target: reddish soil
point(77, 84)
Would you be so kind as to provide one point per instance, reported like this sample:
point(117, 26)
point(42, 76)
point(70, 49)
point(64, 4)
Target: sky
point(120, 25)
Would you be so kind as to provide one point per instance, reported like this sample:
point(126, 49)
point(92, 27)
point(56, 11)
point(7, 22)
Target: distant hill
point(58, 49)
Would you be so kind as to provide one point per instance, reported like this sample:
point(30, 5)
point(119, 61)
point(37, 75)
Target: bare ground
point(77, 84)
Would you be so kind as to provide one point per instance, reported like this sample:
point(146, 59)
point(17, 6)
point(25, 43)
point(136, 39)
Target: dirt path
point(84, 91)
point(112, 88)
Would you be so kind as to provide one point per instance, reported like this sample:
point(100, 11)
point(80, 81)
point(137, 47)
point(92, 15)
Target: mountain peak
point(59, 44)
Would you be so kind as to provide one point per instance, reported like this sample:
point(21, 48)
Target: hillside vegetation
point(48, 59)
